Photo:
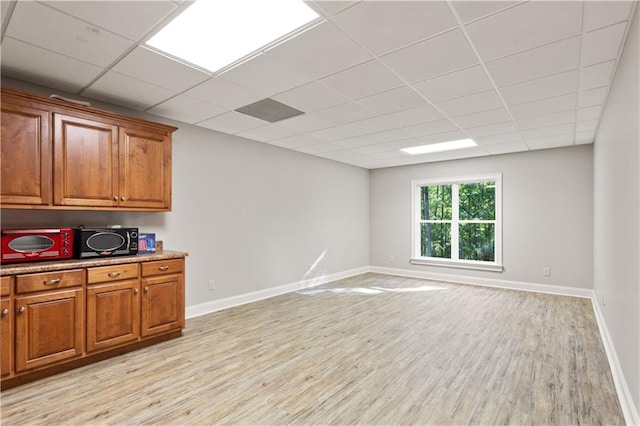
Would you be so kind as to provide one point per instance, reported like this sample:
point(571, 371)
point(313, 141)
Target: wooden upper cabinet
point(58, 155)
point(25, 155)
point(145, 168)
point(85, 162)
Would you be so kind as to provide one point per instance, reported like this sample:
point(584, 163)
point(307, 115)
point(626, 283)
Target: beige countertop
point(33, 267)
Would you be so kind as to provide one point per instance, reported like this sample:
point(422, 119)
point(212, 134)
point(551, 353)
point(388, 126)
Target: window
point(457, 222)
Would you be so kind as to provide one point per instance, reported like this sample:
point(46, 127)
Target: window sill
point(480, 266)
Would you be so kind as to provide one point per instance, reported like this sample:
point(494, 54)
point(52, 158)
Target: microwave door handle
point(128, 240)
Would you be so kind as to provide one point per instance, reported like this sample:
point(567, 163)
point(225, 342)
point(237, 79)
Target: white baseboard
point(486, 282)
point(241, 299)
point(624, 396)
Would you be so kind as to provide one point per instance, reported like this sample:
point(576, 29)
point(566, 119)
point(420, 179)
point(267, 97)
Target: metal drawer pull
point(163, 268)
point(115, 198)
point(51, 282)
point(5, 311)
point(114, 274)
point(22, 309)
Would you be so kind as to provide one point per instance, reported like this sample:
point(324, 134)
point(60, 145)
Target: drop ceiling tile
point(311, 97)
point(534, 63)
point(506, 147)
point(585, 137)
point(224, 93)
point(470, 10)
point(373, 149)
point(319, 51)
point(390, 135)
point(544, 106)
point(264, 75)
point(501, 138)
point(232, 122)
point(355, 142)
point(357, 128)
point(375, 23)
point(562, 129)
point(453, 85)
point(155, 68)
point(450, 49)
point(498, 115)
point(589, 113)
point(411, 116)
point(270, 132)
point(556, 141)
point(431, 128)
point(130, 19)
point(541, 88)
point(596, 75)
point(547, 120)
point(492, 129)
point(296, 141)
point(443, 137)
point(127, 91)
point(603, 44)
point(592, 97)
point(305, 123)
point(583, 126)
point(345, 113)
point(45, 67)
point(465, 105)
point(598, 14)
point(525, 26)
point(392, 101)
point(39, 25)
point(332, 7)
point(319, 148)
point(363, 80)
point(186, 109)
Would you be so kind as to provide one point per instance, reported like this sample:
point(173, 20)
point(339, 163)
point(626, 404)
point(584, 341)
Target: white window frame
point(416, 257)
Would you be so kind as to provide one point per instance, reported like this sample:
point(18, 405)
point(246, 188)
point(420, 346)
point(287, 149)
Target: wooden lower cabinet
point(113, 314)
point(58, 320)
point(49, 328)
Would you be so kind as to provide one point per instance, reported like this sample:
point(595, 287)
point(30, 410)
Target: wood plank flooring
point(371, 349)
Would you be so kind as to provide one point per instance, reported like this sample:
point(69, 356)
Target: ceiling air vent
point(269, 110)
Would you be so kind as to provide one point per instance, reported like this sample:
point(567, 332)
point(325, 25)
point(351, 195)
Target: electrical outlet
point(212, 284)
point(392, 259)
point(546, 271)
point(604, 300)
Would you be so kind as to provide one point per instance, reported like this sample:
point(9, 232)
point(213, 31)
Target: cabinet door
point(145, 169)
point(49, 328)
point(113, 314)
point(6, 328)
point(25, 155)
point(162, 304)
point(85, 162)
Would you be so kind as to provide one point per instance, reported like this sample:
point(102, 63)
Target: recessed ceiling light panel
point(439, 147)
point(215, 33)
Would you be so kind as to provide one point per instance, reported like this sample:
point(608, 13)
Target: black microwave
point(104, 242)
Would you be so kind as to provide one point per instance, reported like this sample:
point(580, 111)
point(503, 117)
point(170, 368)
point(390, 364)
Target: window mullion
point(454, 222)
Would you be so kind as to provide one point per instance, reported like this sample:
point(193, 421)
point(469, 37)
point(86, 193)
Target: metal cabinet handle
point(163, 268)
point(22, 309)
point(146, 289)
point(135, 291)
point(115, 198)
point(114, 274)
point(5, 311)
point(122, 199)
point(52, 282)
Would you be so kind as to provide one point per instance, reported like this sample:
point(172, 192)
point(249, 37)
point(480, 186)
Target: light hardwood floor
point(372, 349)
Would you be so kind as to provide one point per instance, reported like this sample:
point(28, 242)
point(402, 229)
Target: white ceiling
point(371, 76)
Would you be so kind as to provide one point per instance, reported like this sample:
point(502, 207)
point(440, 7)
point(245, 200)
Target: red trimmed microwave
point(31, 244)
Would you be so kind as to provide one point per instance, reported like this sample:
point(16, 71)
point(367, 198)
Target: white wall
point(547, 214)
point(251, 215)
point(617, 213)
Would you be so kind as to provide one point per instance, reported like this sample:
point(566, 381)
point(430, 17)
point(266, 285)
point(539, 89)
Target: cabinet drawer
point(161, 267)
point(103, 274)
point(5, 286)
point(49, 281)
